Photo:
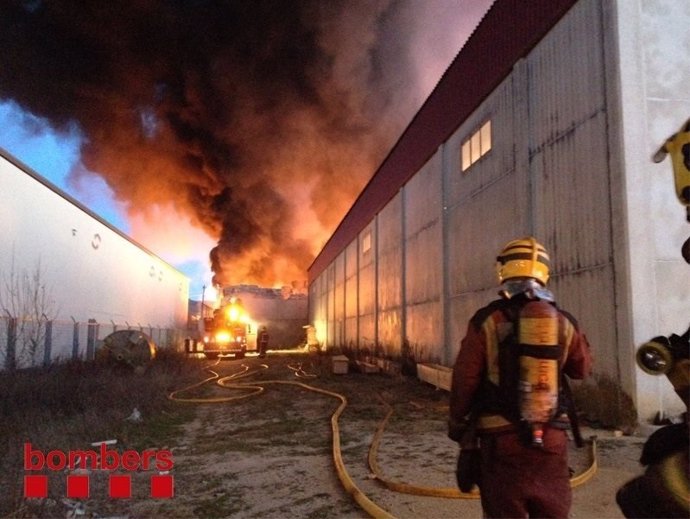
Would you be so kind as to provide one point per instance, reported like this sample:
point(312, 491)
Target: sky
point(228, 137)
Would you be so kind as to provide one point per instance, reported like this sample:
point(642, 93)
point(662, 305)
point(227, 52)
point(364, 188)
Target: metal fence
point(26, 342)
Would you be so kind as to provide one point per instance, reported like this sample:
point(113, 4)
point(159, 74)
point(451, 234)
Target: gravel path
point(269, 455)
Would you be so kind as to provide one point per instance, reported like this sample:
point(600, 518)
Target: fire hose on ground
point(346, 480)
point(450, 492)
point(374, 510)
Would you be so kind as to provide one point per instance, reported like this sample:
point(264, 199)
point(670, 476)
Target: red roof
point(508, 31)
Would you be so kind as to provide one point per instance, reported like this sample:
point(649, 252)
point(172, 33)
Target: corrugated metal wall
point(390, 279)
point(424, 271)
point(339, 301)
point(568, 158)
point(351, 294)
point(487, 205)
point(367, 288)
point(573, 127)
point(433, 247)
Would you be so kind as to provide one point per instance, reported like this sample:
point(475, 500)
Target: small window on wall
point(366, 242)
point(475, 146)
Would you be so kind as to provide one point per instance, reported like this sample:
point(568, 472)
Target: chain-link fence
point(27, 342)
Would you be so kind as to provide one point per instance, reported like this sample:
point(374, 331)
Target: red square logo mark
point(35, 486)
point(120, 486)
point(162, 486)
point(78, 487)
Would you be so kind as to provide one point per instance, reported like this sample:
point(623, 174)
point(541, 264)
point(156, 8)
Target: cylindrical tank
point(539, 357)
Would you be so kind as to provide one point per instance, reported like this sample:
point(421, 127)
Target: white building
point(544, 124)
point(87, 270)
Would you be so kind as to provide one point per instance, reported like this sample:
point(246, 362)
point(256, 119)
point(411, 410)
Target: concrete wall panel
point(89, 268)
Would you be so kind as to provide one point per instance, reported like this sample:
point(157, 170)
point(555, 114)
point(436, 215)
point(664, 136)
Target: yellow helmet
point(523, 258)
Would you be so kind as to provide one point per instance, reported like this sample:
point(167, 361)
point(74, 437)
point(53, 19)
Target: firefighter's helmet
point(523, 258)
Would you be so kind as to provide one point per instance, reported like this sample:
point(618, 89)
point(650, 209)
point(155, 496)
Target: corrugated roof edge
point(47, 183)
point(481, 20)
point(506, 33)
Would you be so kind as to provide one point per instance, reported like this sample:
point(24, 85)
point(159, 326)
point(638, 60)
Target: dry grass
point(267, 456)
point(69, 406)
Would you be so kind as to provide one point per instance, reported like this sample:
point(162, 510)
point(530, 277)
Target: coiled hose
point(230, 381)
point(449, 492)
point(374, 510)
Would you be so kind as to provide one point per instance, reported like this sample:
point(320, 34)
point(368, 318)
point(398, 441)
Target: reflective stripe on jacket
point(477, 360)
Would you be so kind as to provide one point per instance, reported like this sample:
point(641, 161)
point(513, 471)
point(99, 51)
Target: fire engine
point(226, 332)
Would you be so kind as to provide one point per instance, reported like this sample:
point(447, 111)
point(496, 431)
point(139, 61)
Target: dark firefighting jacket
point(476, 369)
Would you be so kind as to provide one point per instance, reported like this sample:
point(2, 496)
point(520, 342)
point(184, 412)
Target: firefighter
point(523, 466)
point(262, 340)
point(663, 490)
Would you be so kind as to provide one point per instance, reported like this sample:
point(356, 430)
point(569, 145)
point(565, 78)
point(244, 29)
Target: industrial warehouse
point(69, 278)
point(560, 122)
point(543, 125)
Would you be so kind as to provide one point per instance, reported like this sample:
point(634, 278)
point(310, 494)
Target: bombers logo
point(119, 485)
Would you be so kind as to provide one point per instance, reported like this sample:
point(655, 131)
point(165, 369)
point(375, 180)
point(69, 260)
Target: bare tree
point(26, 298)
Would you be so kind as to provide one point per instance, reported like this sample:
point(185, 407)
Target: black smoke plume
point(260, 120)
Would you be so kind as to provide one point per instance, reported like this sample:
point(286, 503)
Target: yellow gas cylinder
point(539, 356)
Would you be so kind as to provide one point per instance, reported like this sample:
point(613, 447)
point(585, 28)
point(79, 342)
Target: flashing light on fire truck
point(226, 332)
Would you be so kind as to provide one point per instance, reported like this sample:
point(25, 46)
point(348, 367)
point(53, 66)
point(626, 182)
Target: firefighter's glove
point(458, 429)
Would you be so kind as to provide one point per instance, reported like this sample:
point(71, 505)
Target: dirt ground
point(270, 455)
